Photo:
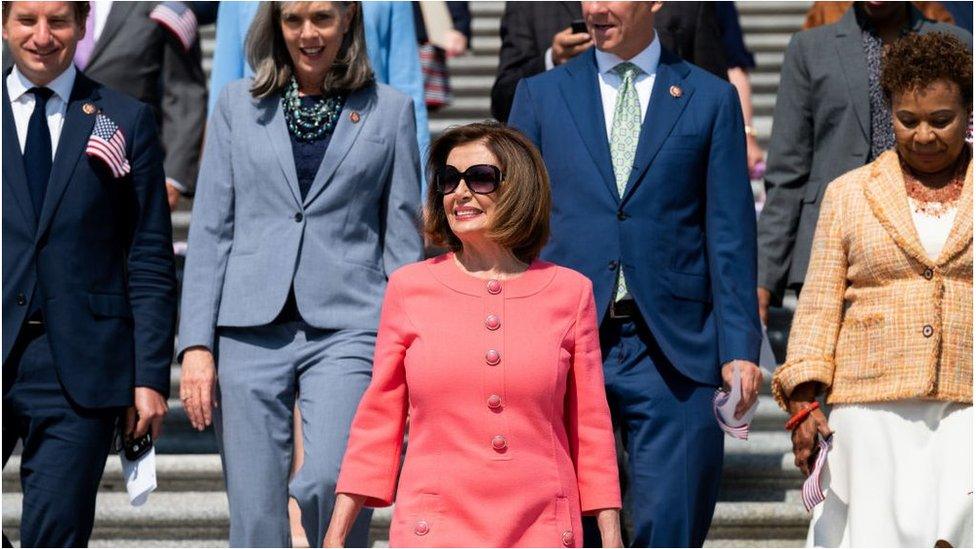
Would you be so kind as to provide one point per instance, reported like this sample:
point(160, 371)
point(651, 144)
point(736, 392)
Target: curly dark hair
point(917, 60)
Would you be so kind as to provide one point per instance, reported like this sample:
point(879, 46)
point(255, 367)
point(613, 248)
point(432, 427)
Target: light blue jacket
point(391, 43)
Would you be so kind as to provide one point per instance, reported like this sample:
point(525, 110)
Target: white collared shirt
point(22, 104)
point(610, 82)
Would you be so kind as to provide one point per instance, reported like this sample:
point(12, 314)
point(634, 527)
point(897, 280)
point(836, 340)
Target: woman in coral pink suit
point(494, 356)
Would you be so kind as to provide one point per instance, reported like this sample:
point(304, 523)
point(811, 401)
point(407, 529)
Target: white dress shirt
point(22, 104)
point(647, 60)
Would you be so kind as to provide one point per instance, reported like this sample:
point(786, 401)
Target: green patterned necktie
point(624, 134)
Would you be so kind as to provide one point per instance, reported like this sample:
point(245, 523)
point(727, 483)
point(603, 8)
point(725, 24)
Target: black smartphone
point(136, 448)
point(578, 26)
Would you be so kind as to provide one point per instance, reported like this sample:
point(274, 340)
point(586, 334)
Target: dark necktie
point(37, 151)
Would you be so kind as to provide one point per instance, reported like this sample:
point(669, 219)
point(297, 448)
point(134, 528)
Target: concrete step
point(203, 516)
point(772, 23)
point(174, 473)
point(755, 8)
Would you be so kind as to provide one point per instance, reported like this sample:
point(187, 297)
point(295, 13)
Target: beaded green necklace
point(312, 122)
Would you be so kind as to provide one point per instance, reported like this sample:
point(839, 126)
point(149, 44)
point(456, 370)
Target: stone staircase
point(759, 504)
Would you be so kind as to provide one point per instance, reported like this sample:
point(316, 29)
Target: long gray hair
point(268, 55)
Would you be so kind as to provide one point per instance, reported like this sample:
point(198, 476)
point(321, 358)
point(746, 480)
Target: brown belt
point(625, 309)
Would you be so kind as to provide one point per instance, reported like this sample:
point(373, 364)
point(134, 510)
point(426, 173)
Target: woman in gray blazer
point(308, 198)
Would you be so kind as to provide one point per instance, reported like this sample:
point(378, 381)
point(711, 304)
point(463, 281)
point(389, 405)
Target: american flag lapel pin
point(89, 108)
point(675, 92)
point(354, 116)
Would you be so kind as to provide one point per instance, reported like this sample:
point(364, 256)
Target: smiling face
point(621, 28)
point(313, 33)
point(42, 37)
point(930, 126)
point(469, 215)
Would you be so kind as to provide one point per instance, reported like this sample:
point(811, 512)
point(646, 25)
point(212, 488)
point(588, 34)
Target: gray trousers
point(261, 371)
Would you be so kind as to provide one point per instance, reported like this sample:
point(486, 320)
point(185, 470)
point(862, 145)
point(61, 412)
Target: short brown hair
point(915, 61)
point(272, 65)
point(521, 220)
point(80, 10)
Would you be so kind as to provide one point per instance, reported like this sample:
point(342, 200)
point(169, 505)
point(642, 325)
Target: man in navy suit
point(88, 277)
point(651, 200)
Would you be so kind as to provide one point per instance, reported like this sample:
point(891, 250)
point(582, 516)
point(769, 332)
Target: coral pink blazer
point(510, 435)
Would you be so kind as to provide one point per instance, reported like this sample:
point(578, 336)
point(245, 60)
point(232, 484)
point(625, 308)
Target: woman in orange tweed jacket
point(884, 321)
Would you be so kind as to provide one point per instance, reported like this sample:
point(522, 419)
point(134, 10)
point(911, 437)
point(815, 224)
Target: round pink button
point(421, 527)
point(494, 402)
point(492, 357)
point(492, 322)
point(499, 443)
point(567, 538)
point(494, 287)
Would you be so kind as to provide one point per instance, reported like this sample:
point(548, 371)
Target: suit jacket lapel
point(75, 132)
point(280, 142)
point(581, 92)
point(885, 193)
point(343, 139)
point(14, 175)
point(961, 235)
point(663, 112)
point(854, 64)
point(115, 21)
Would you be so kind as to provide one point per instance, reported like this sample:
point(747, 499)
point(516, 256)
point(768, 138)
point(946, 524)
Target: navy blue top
point(736, 53)
point(308, 154)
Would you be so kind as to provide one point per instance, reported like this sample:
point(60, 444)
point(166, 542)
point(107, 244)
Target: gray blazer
point(252, 237)
point(137, 56)
point(821, 130)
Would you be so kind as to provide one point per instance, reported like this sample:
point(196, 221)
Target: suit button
point(927, 330)
point(421, 528)
point(567, 538)
point(494, 402)
point(492, 322)
point(299, 217)
point(928, 274)
point(492, 357)
point(613, 265)
point(494, 287)
point(499, 443)
point(621, 215)
point(21, 299)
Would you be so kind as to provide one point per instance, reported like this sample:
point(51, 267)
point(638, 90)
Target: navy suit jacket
point(685, 230)
point(100, 255)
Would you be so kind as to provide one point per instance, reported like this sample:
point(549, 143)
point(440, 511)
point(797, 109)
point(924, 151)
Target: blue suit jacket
point(100, 255)
point(684, 231)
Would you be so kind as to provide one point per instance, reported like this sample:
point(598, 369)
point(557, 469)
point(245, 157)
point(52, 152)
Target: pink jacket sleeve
point(588, 416)
point(372, 458)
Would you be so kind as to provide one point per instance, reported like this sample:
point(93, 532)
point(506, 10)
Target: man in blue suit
point(651, 200)
point(88, 277)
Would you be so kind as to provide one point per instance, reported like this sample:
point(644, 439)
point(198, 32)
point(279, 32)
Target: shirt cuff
point(549, 64)
point(174, 183)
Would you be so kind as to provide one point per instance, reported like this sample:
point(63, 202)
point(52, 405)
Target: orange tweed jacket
point(878, 319)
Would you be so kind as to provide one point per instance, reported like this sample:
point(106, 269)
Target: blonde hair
point(268, 55)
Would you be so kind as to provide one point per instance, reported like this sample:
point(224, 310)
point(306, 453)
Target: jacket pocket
point(426, 519)
point(689, 286)
point(860, 352)
point(564, 524)
point(113, 305)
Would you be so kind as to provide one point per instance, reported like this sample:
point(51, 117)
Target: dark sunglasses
point(480, 178)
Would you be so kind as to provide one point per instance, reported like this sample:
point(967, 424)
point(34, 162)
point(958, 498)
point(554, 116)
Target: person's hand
point(765, 298)
point(146, 415)
point(608, 521)
point(332, 542)
point(751, 377)
point(198, 386)
point(566, 45)
point(456, 43)
point(805, 435)
point(754, 153)
point(172, 196)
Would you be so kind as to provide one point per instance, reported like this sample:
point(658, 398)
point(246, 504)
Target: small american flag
point(108, 145)
point(179, 19)
point(740, 432)
point(812, 492)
